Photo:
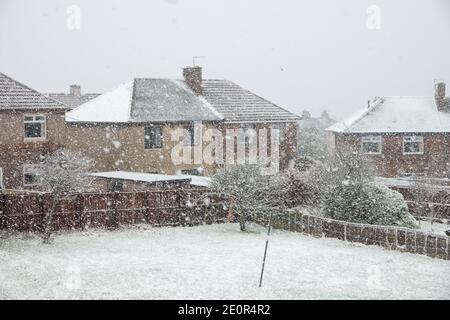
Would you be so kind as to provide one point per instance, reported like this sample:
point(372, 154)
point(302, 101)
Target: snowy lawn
point(212, 262)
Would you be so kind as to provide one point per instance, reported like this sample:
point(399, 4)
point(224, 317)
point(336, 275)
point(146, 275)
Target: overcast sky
point(299, 54)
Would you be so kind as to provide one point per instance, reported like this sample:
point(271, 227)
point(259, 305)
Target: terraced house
point(402, 135)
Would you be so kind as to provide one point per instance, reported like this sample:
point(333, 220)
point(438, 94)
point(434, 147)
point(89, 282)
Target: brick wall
point(15, 150)
point(392, 162)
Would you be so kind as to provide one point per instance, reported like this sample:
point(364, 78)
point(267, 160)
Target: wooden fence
point(392, 238)
point(26, 212)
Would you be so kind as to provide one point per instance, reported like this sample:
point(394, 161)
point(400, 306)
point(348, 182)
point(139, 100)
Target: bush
point(251, 195)
point(368, 203)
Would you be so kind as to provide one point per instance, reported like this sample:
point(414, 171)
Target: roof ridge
point(346, 126)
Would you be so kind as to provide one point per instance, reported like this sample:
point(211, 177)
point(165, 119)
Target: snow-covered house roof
point(17, 96)
point(153, 177)
point(146, 100)
point(237, 104)
point(73, 100)
point(169, 100)
point(396, 115)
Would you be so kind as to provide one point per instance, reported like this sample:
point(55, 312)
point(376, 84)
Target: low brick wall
point(391, 238)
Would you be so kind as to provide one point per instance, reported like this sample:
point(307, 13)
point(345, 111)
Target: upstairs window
point(1, 179)
point(35, 127)
point(413, 145)
point(191, 135)
point(371, 144)
point(153, 137)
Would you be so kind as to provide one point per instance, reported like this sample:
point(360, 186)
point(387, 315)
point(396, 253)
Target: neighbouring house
point(162, 126)
point(32, 125)
point(74, 98)
point(403, 135)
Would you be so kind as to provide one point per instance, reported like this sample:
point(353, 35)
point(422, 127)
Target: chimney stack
point(442, 102)
point(193, 78)
point(75, 90)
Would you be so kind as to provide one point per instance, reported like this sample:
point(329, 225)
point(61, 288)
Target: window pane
point(188, 136)
point(371, 144)
point(153, 137)
point(29, 118)
point(33, 130)
point(413, 144)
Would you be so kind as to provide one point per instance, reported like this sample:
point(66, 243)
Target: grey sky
point(299, 54)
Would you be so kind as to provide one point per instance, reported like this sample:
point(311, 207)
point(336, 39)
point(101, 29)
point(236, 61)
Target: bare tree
point(62, 173)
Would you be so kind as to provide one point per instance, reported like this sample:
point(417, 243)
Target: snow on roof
point(397, 115)
point(16, 95)
point(237, 104)
point(198, 180)
point(73, 100)
point(145, 100)
point(170, 100)
point(152, 177)
point(162, 100)
point(113, 106)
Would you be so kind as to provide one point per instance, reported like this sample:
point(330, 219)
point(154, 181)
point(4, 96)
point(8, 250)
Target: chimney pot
point(75, 90)
point(193, 78)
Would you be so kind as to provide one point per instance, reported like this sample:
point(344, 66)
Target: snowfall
point(211, 262)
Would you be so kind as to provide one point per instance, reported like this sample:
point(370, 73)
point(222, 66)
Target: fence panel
point(26, 212)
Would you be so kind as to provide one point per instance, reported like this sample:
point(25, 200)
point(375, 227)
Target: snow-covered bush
point(64, 171)
point(250, 194)
point(343, 188)
point(300, 184)
point(61, 173)
point(311, 180)
point(368, 203)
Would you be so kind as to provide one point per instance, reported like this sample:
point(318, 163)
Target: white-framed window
point(153, 137)
point(371, 144)
point(192, 134)
point(29, 176)
point(412, 145)
point(1, 179)
point(35, 127)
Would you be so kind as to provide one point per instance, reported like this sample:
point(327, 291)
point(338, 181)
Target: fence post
point(147, 204)
point(79, 213)
point(114, 221)
point(2, 211)
point(41, 212)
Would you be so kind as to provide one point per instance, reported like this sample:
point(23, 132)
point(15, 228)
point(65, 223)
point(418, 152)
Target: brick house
point(402, 135)
point(31, 126)
point(132, 127)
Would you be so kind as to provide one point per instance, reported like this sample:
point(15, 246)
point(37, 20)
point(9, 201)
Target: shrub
point(368, 203)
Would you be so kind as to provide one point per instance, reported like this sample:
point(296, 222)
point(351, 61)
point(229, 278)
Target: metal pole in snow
point(265, 249)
